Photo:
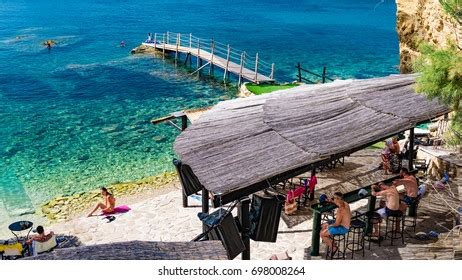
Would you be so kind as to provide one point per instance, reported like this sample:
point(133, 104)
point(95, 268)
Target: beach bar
point(243, 146)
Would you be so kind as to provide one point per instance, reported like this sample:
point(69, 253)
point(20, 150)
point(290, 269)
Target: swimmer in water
point(122, 44)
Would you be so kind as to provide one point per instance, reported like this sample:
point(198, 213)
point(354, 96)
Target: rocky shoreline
point(64, 208)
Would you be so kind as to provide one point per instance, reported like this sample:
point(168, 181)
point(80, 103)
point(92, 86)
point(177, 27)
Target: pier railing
point(301, 78)
point(218, 51)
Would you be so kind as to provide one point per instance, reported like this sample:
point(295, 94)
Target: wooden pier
point(231, 61)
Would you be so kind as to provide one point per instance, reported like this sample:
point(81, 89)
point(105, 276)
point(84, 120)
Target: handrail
point(323, 77)
point(217, 49)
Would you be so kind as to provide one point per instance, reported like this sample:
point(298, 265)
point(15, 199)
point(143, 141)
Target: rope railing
point(216, 49)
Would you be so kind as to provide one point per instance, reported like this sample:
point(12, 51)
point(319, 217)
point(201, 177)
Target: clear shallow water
point(78, 117)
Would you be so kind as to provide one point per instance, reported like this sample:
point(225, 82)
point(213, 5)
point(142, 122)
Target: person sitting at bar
point(392, 203)
point(410, 185)
point(341, 225)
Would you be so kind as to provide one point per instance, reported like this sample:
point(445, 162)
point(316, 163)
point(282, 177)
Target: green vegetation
point(378, 145)
point(441, 74)
point(453, 8)
point(267, 88)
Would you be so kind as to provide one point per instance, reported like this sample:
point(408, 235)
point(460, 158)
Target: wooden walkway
point(214, 53)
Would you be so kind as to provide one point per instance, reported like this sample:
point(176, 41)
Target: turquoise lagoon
point(77, 117)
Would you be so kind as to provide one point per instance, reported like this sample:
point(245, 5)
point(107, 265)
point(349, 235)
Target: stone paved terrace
point(161, 218)
point(141, 250)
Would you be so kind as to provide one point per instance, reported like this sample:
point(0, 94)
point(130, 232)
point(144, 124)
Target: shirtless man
point(410, 184)
point(392, 202)
point(342, 222)
point(41, 236)
point(108, 205)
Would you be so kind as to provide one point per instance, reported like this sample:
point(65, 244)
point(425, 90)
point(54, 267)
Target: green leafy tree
point(441, 72)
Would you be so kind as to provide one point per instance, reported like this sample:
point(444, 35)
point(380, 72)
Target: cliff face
point(423, 20)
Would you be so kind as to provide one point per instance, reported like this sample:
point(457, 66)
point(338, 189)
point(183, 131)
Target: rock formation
point(423, 20)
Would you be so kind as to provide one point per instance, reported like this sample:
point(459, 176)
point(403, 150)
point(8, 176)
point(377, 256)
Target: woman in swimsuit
point(108, 205)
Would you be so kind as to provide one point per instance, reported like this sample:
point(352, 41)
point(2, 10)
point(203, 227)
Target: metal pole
point(256, 68)
point(190, 40)
point(315, 234)
point(299, 72)
point(167, 36)
point(272, 71)
point(212, 46)
point(205, 205)
point(411, 149)
point(155, 40)
point(227, 63)
point(370, 212)
point(240, 70)
point(324, 74)
point(243, 212)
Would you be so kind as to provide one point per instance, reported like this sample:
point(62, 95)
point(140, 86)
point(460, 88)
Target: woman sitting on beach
point(109, 203)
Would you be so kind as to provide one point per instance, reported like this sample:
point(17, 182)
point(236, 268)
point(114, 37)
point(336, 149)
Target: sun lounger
point(41, 247)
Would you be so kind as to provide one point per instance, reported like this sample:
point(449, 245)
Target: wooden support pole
point(324, 74)
point(190, 40)
point(205, 205)
point(256, 68)
point(155, 40)
point(411, 149)
point(243, 212)
point(299, 72)
point(240, 70)
point(212, 47)
point(227, 64)
point(370, 213)
point(272, 71)
point(167, 36)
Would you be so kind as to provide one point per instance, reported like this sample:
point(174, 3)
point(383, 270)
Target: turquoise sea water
point(77, 117)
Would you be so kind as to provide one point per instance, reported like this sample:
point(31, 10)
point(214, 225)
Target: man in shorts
point(410, 185)
point(392, 202)
point(341, 225)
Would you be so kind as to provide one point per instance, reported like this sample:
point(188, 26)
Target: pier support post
point(256, 68)
point(198, 52)
point(272, 71)
point(167, 36)
point(243, 212)
point(163, 46)
point(190, 40)
point(225, 75)
point(299, 72)
point(176, 51)
point(240, 70)
point(212, 47)
point(324, 74)
point(155, 40)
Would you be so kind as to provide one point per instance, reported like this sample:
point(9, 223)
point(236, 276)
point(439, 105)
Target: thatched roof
point(243, 142)
point(141, 250)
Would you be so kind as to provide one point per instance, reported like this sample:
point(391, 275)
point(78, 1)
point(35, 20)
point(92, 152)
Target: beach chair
point(11, 251)
point(42, 247)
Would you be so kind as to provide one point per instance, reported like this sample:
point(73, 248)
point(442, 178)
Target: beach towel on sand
point(118, 210)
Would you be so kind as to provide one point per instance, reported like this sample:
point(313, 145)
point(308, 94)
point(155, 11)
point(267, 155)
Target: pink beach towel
point(118, 210)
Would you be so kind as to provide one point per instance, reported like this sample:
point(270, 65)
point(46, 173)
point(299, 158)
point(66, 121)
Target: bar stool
point(394, 233)
point(412, 214)
point(376, 219)
point(356, 243)
point(340, 253)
